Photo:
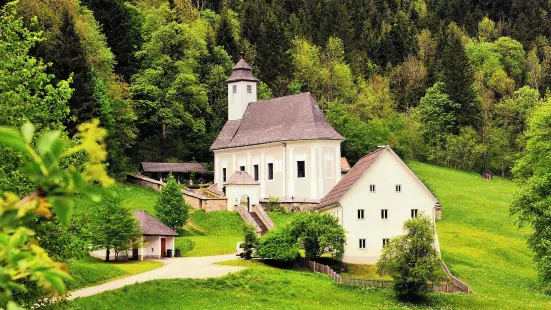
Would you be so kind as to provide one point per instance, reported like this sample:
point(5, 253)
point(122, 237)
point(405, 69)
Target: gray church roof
point(289, 118)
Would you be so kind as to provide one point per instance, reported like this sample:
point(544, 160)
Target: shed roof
point(349, 179)
point(149, 225)
point(345, 166)
point(171, 167)
point(242, 72)
point(241, 178)
point(288, 118)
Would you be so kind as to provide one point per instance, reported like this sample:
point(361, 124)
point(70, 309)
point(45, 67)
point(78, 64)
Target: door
point(135, 253)
point(163, 247)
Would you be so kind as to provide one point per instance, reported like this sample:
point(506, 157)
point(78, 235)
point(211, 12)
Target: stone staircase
point(256, 218)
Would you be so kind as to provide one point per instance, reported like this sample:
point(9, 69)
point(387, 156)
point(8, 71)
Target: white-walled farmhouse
point(372, 202)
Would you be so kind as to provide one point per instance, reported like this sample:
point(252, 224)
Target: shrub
point(319, 234)
point(250, 241)
point(411, 259)
point(275, 205)
point(171, 207)
point(279, 244)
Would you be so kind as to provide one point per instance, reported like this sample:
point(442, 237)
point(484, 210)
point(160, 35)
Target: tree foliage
point(278, 244)
point(112, 226)
point(532, 203)
point(318, 234)
point(411, 259)
point(22, 258)
point(171, 207)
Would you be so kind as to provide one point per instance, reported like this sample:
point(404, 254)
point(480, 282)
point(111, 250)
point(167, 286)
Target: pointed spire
point(242, 72)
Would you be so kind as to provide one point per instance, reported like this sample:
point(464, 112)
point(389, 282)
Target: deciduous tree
point(171, 207)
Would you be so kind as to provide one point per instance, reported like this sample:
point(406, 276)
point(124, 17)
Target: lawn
point(479, 240)
point(91, 271)
point(133, 197)
point(213, 233)
point(281, 219)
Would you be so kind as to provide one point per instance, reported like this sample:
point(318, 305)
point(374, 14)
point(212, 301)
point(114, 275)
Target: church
point(285, 145)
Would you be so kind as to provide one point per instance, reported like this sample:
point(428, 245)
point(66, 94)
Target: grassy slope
point(479, 239)
point(215, 233)
point(479, 242)
point(91, 271)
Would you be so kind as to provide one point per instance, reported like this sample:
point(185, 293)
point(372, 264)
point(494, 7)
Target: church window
point(398, 188)
point(301, 169)
point(361, 214)
point(270, 171)
point(256, 172)
point(249, 89)
point(362, 243)
point(241, 168)
point(234, 89)
point(384, 213)
point(223, 174)
point(372, 188)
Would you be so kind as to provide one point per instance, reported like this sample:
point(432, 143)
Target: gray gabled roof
point(151, 226)
point(171, 167)
point(241, 178)
point(289, 118)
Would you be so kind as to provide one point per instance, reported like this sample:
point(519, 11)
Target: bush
point(319, 234)
point(279, 244)
point(275, 205)
point(411, 259)
point(250, 241)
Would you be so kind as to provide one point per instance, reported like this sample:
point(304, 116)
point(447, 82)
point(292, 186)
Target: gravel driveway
point(181, 267)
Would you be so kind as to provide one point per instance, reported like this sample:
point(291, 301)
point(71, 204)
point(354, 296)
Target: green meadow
point(478, 237)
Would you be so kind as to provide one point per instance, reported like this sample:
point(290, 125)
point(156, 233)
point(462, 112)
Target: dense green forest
point(450, 82)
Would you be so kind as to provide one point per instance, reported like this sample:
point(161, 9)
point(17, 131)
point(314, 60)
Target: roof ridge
point(286, 96)
point(379, 148)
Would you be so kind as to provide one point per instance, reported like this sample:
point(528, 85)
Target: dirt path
point(182, 267)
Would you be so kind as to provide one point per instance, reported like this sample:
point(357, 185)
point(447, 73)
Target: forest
point(449, 82)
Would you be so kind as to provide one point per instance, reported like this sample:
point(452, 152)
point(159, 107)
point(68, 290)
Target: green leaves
point(10, 137)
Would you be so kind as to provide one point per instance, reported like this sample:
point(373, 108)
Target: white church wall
point(322, 161)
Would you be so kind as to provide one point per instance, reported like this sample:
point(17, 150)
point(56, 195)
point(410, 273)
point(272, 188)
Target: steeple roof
point(242, 72)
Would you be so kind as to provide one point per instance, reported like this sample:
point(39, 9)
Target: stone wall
point(293, 206)
point(199, 202)
point(144, 181)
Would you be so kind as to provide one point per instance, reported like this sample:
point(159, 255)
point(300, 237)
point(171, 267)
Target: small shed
point(158, 239)
point(183, 172)
point(345, 166)
point(487, 174)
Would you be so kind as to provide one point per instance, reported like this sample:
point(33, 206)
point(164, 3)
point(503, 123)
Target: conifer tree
point(171, 207)
point(68, 57)
point(458, 77)
point(225, 36)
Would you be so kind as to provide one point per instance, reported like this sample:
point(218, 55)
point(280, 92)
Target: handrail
point(246, 216)
point(264, 217)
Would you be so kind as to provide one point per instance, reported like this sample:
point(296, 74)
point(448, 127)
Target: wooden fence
point(453, 286)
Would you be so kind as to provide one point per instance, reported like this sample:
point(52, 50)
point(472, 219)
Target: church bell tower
point(241, 89)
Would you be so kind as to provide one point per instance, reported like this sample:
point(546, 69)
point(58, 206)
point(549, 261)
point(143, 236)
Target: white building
point(285, 144)
point(158, 239)
point(372, 202)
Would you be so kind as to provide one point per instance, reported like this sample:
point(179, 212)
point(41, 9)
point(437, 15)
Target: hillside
point(479, 241)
